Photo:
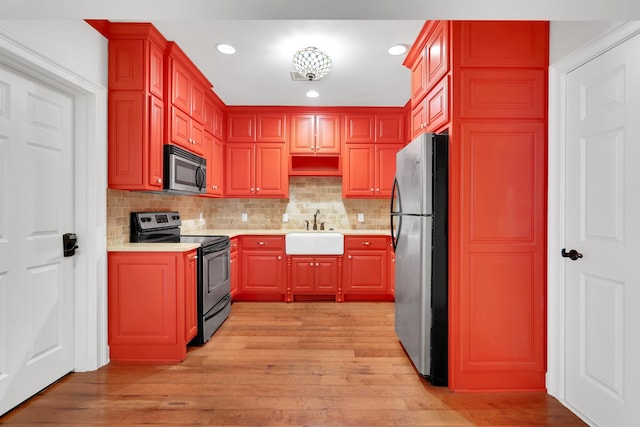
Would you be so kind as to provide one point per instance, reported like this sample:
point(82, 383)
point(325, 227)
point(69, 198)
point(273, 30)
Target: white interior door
point(36, 209)
point(603, 224)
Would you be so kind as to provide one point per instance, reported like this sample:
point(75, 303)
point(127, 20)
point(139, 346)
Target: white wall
point(566, 36)
point(71, 43)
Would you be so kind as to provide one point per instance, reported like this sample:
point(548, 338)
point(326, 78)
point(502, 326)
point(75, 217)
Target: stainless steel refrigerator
point(419, 233)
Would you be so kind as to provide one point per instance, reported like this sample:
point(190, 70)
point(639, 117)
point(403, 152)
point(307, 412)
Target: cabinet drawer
point(262, 242)
point(365, 242)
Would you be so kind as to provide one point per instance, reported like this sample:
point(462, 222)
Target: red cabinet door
point(190, 296)
point(214, 152)
point(234, 271)
point(366, 272)
point(436, 55)
point(418, 81)
point(271, 127)
point(358, 179)
point(419, 118)
point(325, 274)
point(271, 178)
point(241, 127)
point(181, 87)
point(302, 131)
point(437, 105)
point(302, 274)
point(385, 168)
point(197, 102)
point(358, 128)
point(127, 142)
point(240, 171)
point(262, 272)
point(389, 128)
point(156, 70)
point(328, 133)
point(156, 142)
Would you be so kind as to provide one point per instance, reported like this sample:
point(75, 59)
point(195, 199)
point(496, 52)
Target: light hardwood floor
point(299, 364)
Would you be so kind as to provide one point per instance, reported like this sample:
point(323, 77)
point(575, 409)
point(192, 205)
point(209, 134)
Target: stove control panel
point(153, 220)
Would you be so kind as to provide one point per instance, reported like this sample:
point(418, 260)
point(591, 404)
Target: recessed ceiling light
point(397, 49)
point(313, 94)
point(227, 49)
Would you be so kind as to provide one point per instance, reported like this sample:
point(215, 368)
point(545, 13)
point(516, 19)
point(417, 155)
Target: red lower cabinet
point(152, 305)
point(262, 268)
point(314, 277)
point(366, 268)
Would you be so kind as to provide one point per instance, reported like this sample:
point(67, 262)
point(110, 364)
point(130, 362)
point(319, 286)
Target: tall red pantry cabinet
point(485, 83)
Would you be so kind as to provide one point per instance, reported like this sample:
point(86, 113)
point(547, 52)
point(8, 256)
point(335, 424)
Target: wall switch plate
point(245, 217)
point(360, 217)
point(285, 217)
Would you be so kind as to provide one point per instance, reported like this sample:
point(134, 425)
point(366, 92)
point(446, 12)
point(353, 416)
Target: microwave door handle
point(200, 178)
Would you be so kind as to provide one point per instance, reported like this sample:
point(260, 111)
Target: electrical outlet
point(360, 217)
point(285, 217)
point(245, 217)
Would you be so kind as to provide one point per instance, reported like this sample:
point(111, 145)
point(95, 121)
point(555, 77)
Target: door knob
point(572, 254)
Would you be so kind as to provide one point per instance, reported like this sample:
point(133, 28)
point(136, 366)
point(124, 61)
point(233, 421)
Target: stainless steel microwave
point(184, 172)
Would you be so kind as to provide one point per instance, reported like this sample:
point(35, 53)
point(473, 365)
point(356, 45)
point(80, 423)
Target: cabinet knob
point(253, 189)
point(366, 243)
point(262, 243)
point(279, 257)
point(371, 190)
point(310, 264)
point(349, 257)
point(378, 190)
point(317, 264)
point(258, 189)
point(159, 180)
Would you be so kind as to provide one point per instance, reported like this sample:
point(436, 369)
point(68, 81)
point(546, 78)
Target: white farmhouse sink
point(314, 243)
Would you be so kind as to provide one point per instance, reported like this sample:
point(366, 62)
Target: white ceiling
point(363, 72)
point(266, 33)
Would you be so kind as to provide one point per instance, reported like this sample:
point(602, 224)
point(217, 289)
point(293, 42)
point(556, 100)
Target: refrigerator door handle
point(395, 193)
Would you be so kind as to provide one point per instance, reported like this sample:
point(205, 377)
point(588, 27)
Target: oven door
point(215, 283)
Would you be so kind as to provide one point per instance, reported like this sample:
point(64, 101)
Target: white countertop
point(185, 247)
point(153, 247)
point(261, 231)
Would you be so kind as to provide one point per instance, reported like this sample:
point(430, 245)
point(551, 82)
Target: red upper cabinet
point(369, 170)
point(136, 107)
point(418, 81)
point(256, 170)
point(256, 127)
point(314, 134)
point(503, 43)
point(241, 127)
point(358, 128)
point(271, 127)
point(432, 114)
point(213, 115)
point(389, 128)
point(186, 116)
point(214, 153)
point(436, 54)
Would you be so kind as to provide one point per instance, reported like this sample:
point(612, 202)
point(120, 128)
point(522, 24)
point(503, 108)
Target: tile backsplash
point(306, 196)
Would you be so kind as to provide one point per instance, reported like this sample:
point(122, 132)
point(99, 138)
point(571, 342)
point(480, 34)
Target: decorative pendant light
point(312, 63)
